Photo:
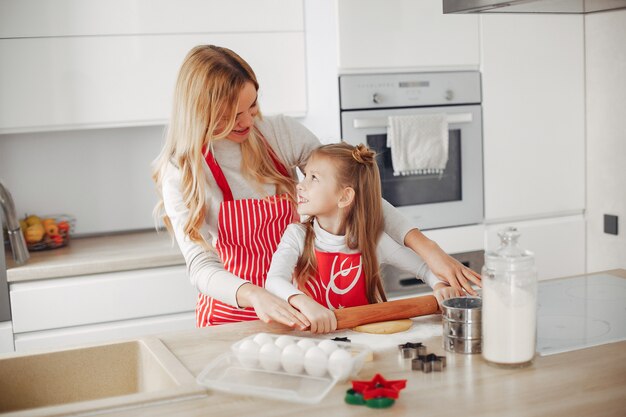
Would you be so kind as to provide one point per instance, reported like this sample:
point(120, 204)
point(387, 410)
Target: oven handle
point(384, 121)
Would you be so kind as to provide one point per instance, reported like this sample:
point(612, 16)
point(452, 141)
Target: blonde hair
point(207, 92)
point(363, 222)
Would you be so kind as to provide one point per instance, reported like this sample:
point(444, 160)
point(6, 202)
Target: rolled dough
point(385, 327)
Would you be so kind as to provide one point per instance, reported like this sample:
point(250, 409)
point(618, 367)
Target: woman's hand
point(441, 264)
point(270, 308)
point(322, 319)
point(443, 291)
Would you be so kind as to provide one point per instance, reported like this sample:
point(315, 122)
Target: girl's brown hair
point(207, 93)
point(363, 221)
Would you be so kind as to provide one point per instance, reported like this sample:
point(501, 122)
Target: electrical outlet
point(610, 224)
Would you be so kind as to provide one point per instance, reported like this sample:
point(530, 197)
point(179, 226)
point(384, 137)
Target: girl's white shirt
point(280, 276)
point(293, 143)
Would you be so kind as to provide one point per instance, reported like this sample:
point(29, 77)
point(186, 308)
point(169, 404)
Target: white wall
point(605, 43)
point(102, 176)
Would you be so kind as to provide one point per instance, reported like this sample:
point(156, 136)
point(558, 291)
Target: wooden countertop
point(93, 255)
point(587, 382)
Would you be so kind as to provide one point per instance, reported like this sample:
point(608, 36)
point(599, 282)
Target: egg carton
point(283, 367)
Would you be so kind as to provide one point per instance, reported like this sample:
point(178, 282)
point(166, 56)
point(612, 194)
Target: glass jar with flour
point(509, 312)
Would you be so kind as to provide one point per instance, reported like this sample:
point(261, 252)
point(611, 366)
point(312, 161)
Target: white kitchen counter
point(93, 255)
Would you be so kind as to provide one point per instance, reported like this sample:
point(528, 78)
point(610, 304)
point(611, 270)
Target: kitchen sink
point(94, 378)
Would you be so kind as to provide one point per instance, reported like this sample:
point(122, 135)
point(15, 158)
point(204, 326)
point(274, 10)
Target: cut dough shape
point(385, 327)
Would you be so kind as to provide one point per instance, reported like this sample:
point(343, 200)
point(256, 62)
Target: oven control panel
point(367, 91)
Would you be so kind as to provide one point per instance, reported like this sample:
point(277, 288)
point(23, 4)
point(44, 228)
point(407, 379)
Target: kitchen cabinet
point(533, 115)
point(393, 35)
point(558, 244)
point(6, 337)
point(101, 307)
point(83, 70)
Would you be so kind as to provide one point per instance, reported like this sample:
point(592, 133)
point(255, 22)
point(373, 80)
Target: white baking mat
point(423, 329)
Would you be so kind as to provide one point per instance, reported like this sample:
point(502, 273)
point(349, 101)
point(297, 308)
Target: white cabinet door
point(61, 83)
point(6, 337)
point(405, 34)
point(103, 333)
point(558, 244)
point(32, 18)
point(533, 115)
point(100, 298)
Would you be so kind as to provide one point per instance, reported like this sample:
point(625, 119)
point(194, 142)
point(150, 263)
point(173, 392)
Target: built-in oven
point(451, 198)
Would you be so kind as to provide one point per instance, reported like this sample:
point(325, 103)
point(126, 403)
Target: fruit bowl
point(47, 232)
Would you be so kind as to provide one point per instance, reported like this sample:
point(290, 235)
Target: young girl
point(333, 257)
point(226, 178)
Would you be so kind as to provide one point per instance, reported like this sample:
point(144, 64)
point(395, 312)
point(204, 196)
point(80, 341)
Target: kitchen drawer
point(98, 298)
point(6, 337)
point(104, 332)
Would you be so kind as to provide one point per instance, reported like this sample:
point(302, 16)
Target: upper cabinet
point(392, 35)
point(533, 115)
point(114, 63)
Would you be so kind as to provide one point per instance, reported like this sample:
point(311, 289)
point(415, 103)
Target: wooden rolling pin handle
point(350, 317)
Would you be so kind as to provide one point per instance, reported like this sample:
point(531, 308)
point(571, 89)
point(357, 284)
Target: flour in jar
point(509, 320)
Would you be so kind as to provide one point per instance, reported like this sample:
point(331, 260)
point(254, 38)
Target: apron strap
point(220, 179)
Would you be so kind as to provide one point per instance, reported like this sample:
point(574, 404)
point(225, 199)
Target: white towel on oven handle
point(419, 143)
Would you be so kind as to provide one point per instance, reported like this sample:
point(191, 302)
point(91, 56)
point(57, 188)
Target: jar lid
point(509, 255)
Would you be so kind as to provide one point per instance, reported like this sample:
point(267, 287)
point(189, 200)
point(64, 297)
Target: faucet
point(16, 237)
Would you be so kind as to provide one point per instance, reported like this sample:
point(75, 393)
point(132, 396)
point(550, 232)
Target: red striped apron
point(248, 233)
point(339, 282)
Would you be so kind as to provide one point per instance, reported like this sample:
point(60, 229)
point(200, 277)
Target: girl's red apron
point(339, 282)
point(248, 233)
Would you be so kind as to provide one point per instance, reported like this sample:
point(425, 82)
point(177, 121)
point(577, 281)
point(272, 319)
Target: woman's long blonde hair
point(207, 92)
point(363, 222)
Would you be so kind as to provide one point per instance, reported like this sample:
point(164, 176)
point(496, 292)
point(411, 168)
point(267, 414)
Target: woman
point(226, 178)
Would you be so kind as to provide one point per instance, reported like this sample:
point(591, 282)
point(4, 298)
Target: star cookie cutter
point(428, 363)
point(410, 350)
point(376, 393)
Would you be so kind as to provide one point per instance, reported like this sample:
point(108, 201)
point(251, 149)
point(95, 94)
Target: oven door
point(454, 198)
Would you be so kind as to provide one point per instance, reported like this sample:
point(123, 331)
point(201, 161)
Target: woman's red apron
point(339, 282)
point(248, 233)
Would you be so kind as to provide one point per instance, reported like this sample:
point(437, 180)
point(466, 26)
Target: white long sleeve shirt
point(280, 276)
point(293, 143)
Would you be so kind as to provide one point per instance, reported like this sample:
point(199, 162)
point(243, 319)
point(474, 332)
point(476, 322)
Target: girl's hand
point(270, 308)
point(443, 291)
point(322, 319)
point(443, 265)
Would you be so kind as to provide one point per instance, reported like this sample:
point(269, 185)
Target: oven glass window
point(419, 189)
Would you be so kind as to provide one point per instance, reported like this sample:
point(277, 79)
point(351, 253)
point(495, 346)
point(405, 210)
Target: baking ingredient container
point(461, 318)
point(288, 368)
point(509, 303)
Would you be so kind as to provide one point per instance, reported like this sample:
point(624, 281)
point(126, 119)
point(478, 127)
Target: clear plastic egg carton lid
point(283, 367)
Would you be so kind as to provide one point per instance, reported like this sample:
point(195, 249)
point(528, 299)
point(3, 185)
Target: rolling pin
point(350, 317)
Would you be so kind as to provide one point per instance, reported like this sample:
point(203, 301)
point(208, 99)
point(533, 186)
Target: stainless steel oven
point(453, 198)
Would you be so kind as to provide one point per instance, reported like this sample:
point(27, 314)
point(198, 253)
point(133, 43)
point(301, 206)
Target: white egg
point(306, 344)
point(293, 359)
point(284, 340)
point(315, 361)
point(340, 364)
point(248, 353)
point(263, 338)
point(269, 356)
point(328, 346)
